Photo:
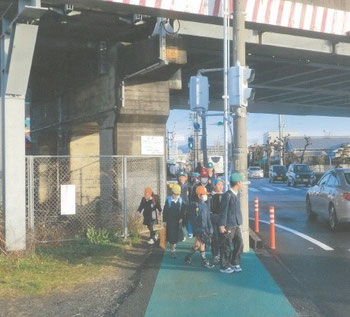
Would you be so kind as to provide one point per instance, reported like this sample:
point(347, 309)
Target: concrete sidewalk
point(184, 290)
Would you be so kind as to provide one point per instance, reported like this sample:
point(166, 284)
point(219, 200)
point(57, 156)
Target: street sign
point(152, 145)
point(331, 154)
point(196, 127)
point(199, 93)
point(179, 138)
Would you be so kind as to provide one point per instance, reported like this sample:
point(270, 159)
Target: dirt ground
point(101, 297)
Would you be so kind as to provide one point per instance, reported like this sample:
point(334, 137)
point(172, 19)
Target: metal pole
point(168, 144)
point(225, 96)
point(30, 193)
point(125, 198)
point(281, 137)
point(240, 121)
point(197, 159)
point(204, 139)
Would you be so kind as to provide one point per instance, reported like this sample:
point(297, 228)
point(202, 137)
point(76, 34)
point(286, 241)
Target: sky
point(258, 124)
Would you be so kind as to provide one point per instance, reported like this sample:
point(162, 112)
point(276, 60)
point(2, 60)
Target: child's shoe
point(207, 264)
point(216, 260)
point(188, 259)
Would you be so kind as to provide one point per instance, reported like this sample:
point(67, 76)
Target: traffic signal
point(190, 143)
point(199, 93)
point(239, 92)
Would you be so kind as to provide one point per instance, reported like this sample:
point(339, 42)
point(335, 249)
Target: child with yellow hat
point(173, 217)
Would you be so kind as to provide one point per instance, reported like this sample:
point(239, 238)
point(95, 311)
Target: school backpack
point(156, 200)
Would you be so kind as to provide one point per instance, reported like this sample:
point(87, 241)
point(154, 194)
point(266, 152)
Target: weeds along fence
point(108, 190)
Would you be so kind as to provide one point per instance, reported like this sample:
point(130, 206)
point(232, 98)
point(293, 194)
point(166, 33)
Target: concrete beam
point(270, 39)
point(181, 102)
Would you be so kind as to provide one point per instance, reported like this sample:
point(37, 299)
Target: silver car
point(255, 172)
point(331, 197)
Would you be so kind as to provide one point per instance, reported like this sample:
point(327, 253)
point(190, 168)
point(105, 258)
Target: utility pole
point(226, 22)
point(240, 120)
point(281, 138)
point(168, 143)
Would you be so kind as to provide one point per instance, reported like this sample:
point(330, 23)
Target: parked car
point(277, 173)
point(255, 172)
point(330, 197)
point(300, 174)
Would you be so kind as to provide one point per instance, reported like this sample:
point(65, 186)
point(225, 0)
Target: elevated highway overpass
point(75, 58)
point(299, 49)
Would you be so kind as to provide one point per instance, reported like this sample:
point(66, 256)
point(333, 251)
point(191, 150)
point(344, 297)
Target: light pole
point(226, 22)
point(220, 123)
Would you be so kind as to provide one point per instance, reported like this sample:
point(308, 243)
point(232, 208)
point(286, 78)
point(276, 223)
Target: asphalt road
point(316, 281)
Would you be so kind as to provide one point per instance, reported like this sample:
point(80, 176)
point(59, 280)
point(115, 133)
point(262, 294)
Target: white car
point(255, 172)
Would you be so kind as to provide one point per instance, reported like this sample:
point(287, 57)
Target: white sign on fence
point(152, 145)
point(67, 199)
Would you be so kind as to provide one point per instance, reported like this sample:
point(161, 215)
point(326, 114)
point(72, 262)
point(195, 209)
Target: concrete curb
point(254, 240)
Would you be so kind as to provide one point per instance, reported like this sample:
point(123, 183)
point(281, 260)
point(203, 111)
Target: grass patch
point(59, 267)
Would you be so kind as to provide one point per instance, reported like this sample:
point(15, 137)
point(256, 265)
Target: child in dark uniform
point(201, 225)
point(214, 201)
point(149, 206)
point(173, 217)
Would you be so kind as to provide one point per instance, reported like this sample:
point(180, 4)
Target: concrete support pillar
point(63, 131)
point(17, 52)
point(145, 113)
point(108, 171)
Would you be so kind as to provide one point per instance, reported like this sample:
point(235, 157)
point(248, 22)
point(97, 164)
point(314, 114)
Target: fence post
point(125, 198)
point(30, 193)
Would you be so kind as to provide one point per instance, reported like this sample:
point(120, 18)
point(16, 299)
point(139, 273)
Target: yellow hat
point(176, 189)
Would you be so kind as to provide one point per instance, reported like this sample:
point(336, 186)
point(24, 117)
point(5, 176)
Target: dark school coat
point(147, 207)
point(173, 212)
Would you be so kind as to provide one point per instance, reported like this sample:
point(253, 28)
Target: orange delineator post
point(256, 205)
point(272, 228)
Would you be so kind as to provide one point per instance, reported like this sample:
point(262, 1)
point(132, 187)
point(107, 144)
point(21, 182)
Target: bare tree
point(258, 153)
point(282, 147)
point(344, 153)
point(269, 147)
point(307, 143)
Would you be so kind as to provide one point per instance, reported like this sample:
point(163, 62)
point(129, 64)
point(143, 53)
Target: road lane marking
point(281, 189)
point(267, 189)
point(254, 189)
point(301, 235)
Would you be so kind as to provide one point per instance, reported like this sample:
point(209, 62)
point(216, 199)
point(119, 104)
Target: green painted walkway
point(182, 290)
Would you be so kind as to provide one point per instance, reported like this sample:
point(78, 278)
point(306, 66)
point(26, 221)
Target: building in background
point(319, 150)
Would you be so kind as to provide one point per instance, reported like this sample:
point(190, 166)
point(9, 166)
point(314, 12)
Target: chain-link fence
point(108, 190)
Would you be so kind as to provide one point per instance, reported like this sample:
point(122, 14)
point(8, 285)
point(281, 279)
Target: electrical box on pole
point(199, 93)
point(238, 79)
